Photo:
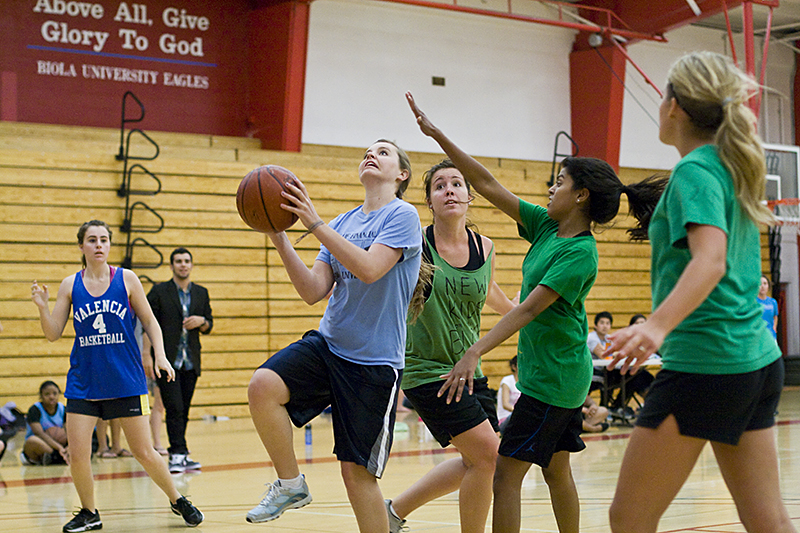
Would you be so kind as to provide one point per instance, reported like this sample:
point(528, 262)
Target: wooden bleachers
point(53, 178)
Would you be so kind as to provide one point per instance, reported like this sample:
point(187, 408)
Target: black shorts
point(537, 430)
point(718, 407)
point(363, 398)
point(447, 421)
point(110, 409)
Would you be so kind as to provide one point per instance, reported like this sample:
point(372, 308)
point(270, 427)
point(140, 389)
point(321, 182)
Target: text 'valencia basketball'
point(259, 199)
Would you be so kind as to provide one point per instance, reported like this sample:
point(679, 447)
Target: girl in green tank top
point(449, 323)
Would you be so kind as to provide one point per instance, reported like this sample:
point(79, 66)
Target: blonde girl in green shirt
point(722, 370)
point(555, 366)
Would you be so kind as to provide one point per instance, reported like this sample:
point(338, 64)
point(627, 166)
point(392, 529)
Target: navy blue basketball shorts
point(363, 398)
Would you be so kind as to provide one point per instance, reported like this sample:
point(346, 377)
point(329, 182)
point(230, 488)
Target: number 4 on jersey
point(98, 323)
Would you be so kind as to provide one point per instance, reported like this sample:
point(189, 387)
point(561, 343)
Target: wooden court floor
point(235, 469)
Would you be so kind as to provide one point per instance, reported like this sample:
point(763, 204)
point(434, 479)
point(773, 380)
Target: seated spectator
point(508, 394)
point(46, 436)
point(594, 416)
point(636, 384)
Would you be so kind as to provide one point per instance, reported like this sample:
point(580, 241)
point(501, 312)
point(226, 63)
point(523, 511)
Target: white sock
point(294, 484)
point(391, 510)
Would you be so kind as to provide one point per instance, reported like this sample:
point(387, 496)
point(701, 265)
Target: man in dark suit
point(183, 310)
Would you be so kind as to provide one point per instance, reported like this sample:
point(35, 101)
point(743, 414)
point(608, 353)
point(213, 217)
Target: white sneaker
point(24, 459)
point(396, 524)
point(278, 500)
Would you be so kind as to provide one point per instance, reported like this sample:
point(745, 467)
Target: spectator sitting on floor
point(594, 416)
point(46, 437)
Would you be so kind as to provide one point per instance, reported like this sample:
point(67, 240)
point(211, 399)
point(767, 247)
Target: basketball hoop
point(787, 211)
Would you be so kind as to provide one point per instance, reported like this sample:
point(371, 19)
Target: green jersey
point(450, 322)
point(554, 362)
point(725, 334)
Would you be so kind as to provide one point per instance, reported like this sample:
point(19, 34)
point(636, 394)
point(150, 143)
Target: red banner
point(70, 62)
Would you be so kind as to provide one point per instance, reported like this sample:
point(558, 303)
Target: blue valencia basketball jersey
point(105, 362)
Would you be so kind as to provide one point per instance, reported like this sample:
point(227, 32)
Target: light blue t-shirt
point(366, 323)
point(46, 419)
point(770, 307)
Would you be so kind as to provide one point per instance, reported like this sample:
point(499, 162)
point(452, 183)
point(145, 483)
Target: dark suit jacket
point(166, 305)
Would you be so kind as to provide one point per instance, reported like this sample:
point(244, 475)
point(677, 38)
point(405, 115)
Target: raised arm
point(476, 174)
point(53, 323)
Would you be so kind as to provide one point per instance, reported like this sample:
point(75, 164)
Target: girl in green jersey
point(722, 371)
point(555, 367)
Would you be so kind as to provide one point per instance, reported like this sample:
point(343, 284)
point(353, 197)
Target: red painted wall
point(70, 62)
point(596, 98)
point(278, 42)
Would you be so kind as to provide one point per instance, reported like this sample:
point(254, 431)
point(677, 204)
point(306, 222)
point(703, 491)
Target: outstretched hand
point(423, 121)
point(462, 374)
point(634, 345)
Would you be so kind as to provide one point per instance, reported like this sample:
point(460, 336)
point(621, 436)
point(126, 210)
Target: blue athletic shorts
point(447, 421)
point(537, 430)
point(715, 407)
point(363, 398)
point(110, 409)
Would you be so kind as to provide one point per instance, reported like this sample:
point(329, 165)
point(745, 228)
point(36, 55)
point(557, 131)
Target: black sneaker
point(180, 462)
point(84, 520)
point(191, 514)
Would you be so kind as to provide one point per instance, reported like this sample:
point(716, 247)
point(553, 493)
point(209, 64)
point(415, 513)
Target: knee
point(267, 386)
point(622, 518)
point(485, 461)
point(616, 518)
point(356, 477)
point(502, 482)
point(554, 476)
point(145, 454)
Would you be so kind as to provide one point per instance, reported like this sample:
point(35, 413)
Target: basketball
point(259, 199)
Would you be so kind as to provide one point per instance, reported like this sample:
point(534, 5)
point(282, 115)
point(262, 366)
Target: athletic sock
point(294, 484)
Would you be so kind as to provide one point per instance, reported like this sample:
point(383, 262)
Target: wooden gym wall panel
point(45, 195)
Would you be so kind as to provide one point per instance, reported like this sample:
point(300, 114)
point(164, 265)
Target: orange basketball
point(259, 199)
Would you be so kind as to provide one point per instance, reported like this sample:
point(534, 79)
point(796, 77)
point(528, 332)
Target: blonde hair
point(713, 92)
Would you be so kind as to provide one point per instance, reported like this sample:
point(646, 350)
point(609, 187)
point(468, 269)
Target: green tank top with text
point(450, 322)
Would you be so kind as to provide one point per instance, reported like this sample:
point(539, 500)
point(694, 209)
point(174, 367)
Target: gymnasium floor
point(235, 468)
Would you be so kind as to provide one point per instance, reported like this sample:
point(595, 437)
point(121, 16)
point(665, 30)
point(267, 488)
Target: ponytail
point(742, 154)
point(713, 92)
point(605, 189)
point(424, 281)
point(642, 200)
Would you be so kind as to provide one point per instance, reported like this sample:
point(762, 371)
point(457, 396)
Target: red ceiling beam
point(604, 20)
point(669, 14)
